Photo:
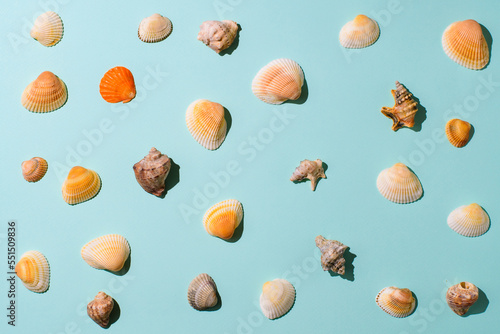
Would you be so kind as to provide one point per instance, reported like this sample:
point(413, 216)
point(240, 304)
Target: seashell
point(277, 298)
point(34, 169)
point(152, 171)
point(359, 33)
point(48, 29)
point(332, 252)
point(154, 28)
point(33, 270)
point(399, 184)
point(397, 302)
point(464, 43)
point(218, 35)
point(47, 93)
point(403, 112)
point(202, 292)
point(206, 123)
point(278, 81)
point(100, 309)
point(108, 252)
point(223, 218)
point(469, 220)
point(461, 297)
point(117, 85)
point(81, 185)
point(312, 170)
point(458, 132)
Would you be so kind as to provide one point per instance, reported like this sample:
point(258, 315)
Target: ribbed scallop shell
point(47, 93)
point(278, 81)
point(223, 218)
point(397, 302)
point(464, 43)
point(469, 220)
point(100, 309)
point(34, 169)
point(458, 132)
point(108, 252)
point(154, 28)
point(399, 185)
point(33, 270)
point(202, 292)
point(461, 297)
point(218, 35)
point(359, 33)
point(81, 185)
point(117, 85)
point(48, 29)
point(206, 123)
point(277, 298)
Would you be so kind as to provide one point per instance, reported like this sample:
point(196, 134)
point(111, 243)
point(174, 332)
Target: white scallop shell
point(277, 298)
point(154, 28)
point(359, 33)
point(398, 184)
point(469, 220)
point(47, 29)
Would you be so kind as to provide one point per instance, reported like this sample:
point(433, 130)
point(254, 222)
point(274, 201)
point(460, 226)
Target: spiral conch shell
point(108, 252)
point(206, 123)
point(81, 185)
point(152, 171)
point(461, 297)
point(397, 302)
point(47, 29)
point(332, 253)
point(154, 28)
point(399, 185)
point(218, 35)
point(403, 112)
point(33, 270)
point(359, 33)
point(469, 220)
point(202, 292)
point(277, 298)
point(458, 132)
point(117, 85)
point(100, 309)
point(34, 169)
point(312, 170)
point(222, 219)
point(47, 93)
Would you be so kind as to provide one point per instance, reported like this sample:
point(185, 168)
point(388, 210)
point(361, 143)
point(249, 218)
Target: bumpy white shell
point(108, 252)
point(469, 220)
point(47, 29)
point(359, 33)
point(202, 292)
point(399, 185)
point(154, 28)
point(277, 298)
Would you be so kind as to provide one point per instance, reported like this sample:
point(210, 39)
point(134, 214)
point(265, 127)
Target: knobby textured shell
point(278, 81)
point(34, 169)
point(464, 43)
point(117, 85)
point(223, 218)
point(404, 110)
point(397, 302)
point(332, 254)
point(218, 35)
point(458, 132)
point(206, 123)
point(33, 270)
point(108, 252)
point(359, 33)
point(154, 28)
point(312, 170)
point(47, 93)
point(461, 297)
point(152, 171)
point(81, 185)
point(47, 29)
point(100, 309)
point(399, 185)
point(277, 298)
point(469, 220)
point(202, 292)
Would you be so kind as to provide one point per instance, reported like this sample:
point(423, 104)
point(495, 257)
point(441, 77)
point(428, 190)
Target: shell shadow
point(480, 306)
point(126, 266)
point(172, 179)
point(349, 267)
point(233, 46)
point(416, 303)
point(304, 95)
point(489, 41)
point(115, 313)
point(229, 120)
point(238, 232)
point(420, 116)
point(217, 306)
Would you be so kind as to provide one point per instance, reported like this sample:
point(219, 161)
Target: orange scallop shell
point(47, 93)
point(34, 271)
point(81, 185)
point(206, 123)
point(117, 85)
point(223, 218)
point(458, 132)
point(34, 169)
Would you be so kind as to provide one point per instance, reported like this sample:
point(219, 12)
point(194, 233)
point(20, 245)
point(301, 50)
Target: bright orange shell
point(117, 85)
point(81, 185)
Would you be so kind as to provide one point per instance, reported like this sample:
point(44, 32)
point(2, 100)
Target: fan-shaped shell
point(359, 33)
point(461, 297)
point(469, 220)
point(277, 298)
point(202, 292)
point(458, 132)
point(81, 185)
point(100, 309)
point(47, 93)
point(218, 35)
point(278, 81)
point(108, 252)
point(33, 270)
point(223, 218)
point(206, 123)
point(464, 43)
point(397, 302)
point(399, 185)
point(48, 29)
point(34, 169)
point(117, 85)
point(154, 28)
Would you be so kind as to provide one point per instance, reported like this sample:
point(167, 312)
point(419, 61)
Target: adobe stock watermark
point(223, 6)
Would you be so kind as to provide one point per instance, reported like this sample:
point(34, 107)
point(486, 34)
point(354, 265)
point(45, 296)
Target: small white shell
point(277, 298)
point(399, 185)
point(469, 220)
point(47, 29)
point(359, 33)
point(202, 292)
point(154, 28)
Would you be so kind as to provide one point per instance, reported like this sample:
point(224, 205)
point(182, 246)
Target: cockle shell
point(332, 254)
point(397, 302)
point(117, 85)
point(202, 292)
point(469, 220)
point(33, 270)
point(47, 29)
point(403, 112)
point(152, 171)
point(399, 184)
point(218, 35)
point(34, 169)
point(108, 252)
point(81, 185)
point(458, 132)
point(359, 33)
point(464, 43)
point(154, 28)
point(100, 309)
point(277, 298)
point(206, 123)
point(223, 218)
point(461, 297)
point(47, 93)
point(312, 170)
point(278, 81)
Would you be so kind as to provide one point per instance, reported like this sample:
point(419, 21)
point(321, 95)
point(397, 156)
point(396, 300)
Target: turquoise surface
point(340, 122)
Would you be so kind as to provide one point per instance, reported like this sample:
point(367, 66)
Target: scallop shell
point(359, 33)
point(202, 292)
point(34, 169)
point(117, 85)
point(48, 29)
point(404, 110)
point(100, 309)
point(461, 297)
point(81, 185)
point(458, 132)
point(399, 185)
point(152, 171)
point(218, 35)
point(397, 302)
point(108, 252)
point(154, 28)
point(223, 218)
point(469, 220)
point(47, 93)
point(332, 254)
point(278, 81)
point(33, 270)
point(206, 123)
point(464, 43)
point(312, 170)
point(277, 298)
